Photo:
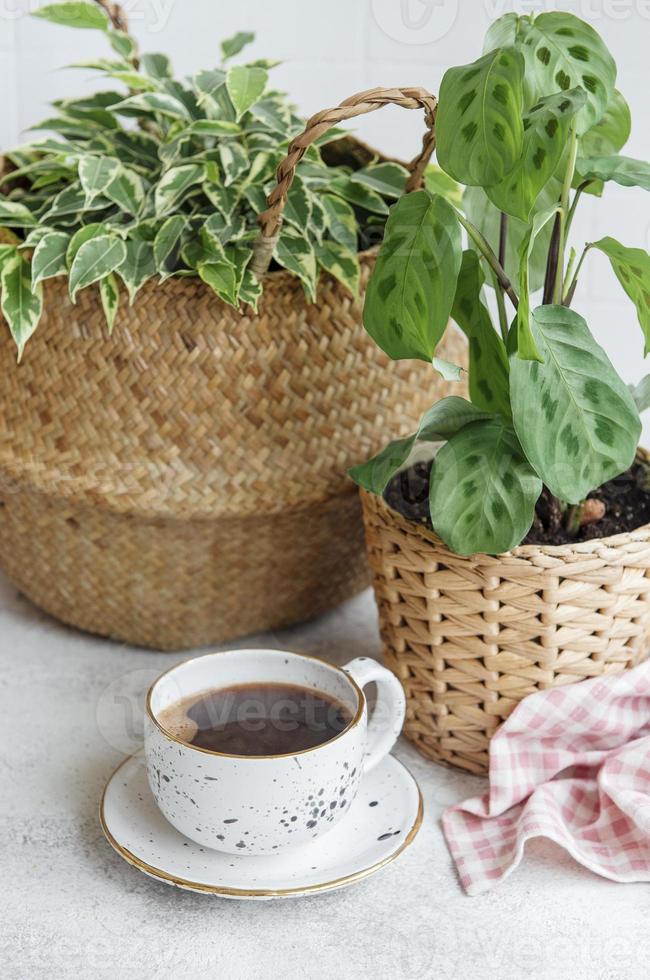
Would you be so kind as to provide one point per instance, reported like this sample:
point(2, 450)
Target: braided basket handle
point(270, 221)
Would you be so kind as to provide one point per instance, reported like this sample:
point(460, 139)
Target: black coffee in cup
point(257, 719)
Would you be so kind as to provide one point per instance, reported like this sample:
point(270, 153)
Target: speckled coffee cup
point(263, 804)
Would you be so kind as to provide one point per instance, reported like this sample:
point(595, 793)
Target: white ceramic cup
point(263, 804)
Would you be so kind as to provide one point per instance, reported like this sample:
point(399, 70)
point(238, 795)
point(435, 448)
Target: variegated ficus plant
point(152, 177)
point(528, 129)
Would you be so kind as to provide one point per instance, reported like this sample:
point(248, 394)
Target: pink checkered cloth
point(571, 764)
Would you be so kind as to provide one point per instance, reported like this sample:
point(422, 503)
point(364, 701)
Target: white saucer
point(383, 820)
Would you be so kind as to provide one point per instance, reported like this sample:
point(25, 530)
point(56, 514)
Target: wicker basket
point(183, 482)
point(470, 637)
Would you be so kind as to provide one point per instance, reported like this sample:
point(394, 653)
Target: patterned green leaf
point(632, 268)
point(245, 86)
point(387, 179)
point(576, 420)
point(71, 14)
point(489, 385)
point(611, 133)
point(234, 161)
point(483, 214)
point(563, 52)
point(526, 346)
point(220, 276)
point(48, 259)
point(297, 255)
point(95, 174)
point(94, 260)
point(174, 184)
point(411, 290)
point(109, 292)
point(437, 181)
point(340, 263)
point(441, 421)
point(21, 305)
point(546, 128)
point(341, 221)
point(622, 170)
point(483, 490)
point(641, 394)
point(479, 126)
point(15, 215)
point(233, 45)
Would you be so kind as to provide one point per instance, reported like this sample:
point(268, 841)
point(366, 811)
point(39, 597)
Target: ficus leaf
point(440, 422)
point(387, 179)
point(84, 234)
point(156, 66)
point(167, 239)
point(575, 419)
point(479, 128)
point(220, 276)
point(359, 195)
point(126, 189)
point(151, 103)
point(632, 268)
point(245, 86)
point(234, 161)
point(15, 215)
point(341, 221)
point(410, 295)
point(489, 386)
point(340, 263)
point(21, 305)
point(109, 292)
point(95, 174)
point(95, 259)
point(233, 45)
point(546, 127)
point(297, 255)
point(174, 184)
point(483, 490)
point(49, 258)
point(73, 14)
point(138, 265)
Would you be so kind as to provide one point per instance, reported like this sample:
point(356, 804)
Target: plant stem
point(564, 213)
point(501, 307)
point(551, 262)
point(568, 296)
point(484, 248)
point(569, 271)
point(576, 197)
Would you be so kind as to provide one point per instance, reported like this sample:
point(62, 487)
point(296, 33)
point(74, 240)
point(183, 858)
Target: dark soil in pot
point(626, 501)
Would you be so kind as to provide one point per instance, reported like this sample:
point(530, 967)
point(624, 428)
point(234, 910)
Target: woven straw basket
point(183, 481)
point(471, 637)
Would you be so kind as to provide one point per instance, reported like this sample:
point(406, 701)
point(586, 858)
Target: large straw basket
point(470, 637)
point(183, 481)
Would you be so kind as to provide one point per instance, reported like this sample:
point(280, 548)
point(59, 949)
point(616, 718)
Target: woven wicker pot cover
point(470, 637)
point(183, 481)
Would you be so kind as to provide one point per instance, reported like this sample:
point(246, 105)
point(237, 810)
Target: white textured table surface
point(70, 709)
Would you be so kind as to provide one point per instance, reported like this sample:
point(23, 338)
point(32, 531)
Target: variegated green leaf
point(167, 239)
point(95, 174)
point(411, 291)
point(387, 179)
point(138, 265)
point(123, 44)
point(49, 258)
point(152, 103)
point(73, 14)
point(440, 422)
point(576, 420)
point(357, 194)
point(95, 259)
point(250, 290)
point(632, 268)
point(546, 128)
point(245, 86)
point(174, 184)
point(220, 277)
point(126, 189)
point(341, 221)
point(84, 234)
point(297, 255)
point(213, 127)
point(234, 161)
point(21, 305)
point(15, 215)
point(110, 296)
point(298, 208)
point(233, 45)
point(483, 490)
point(479, 128)
point(341, 263)
point(156, 66)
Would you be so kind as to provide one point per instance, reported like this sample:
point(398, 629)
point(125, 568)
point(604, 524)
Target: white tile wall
point(332, 48)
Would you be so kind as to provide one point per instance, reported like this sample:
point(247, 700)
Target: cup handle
point(387, 718)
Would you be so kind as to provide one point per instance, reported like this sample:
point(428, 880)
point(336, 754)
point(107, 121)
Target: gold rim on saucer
point(161, 875)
